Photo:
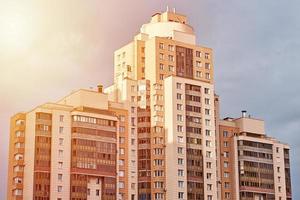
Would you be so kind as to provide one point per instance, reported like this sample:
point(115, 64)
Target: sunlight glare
point(17, 28)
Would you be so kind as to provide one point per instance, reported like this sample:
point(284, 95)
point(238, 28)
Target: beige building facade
point(253, 165)
point(153, 134)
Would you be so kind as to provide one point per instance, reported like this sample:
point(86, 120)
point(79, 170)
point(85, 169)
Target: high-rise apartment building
point(252, 165)
point(154, 134)
point(66, 150)
point(176, 141)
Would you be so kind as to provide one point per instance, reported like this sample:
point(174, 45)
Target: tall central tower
point(168, 81)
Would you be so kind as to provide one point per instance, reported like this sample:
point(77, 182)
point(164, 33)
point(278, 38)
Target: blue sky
point(70, 45)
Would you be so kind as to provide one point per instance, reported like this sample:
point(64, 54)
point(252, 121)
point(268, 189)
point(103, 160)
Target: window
point(278, 169)
point(277, 149)
point(132, 121)
point(132, 186)
point(207, 75)
point(179, 107)
point(179, 96)
point(121, 140)
point(198, 74)
point(97, 192)
point(225, 133)
point(207, 101)
point(158, 86)
point(226, 164)
point(179, 118)
point(60, 153)
point(161, 45)
point(198, 54)
point(158, 196)
point(132, 109)
point(60, 165)
point(179, 128)
point(121, 162)
point(18, 180)
point(209, 187)
point(129, 67)
point(132, 98)
point(20, 122)
point(122, 129)
point(18, 192)
point(198, 64)
point(121, 173)
point(207, 132)
point(122, 151)
point(227, 195)
point(122, 118)
point(158, 162)
point(180, 150)
point(226, 185)
point(207, 66)
point(180, 184)
point(180, 195)
point(61, 129)
point(158, 151)
point(121, 184)
point(209, 197)
point(208, 165)
point(208, 143)
point(18, 157)
point(171, 58)
point(170, 47)
point(226, 154)
point(226, 174)
point(132, 131)
point(206, 56)
point(179, 139)
point(208, 154)
point(61, 118)
point(206, 91)
point(226, 144)
point(158, 184)
point(207, 122)
point(208, 175)
point(171, 68)
point(61, 141)
point(180, 161)
point(178, 86)
point(161, 56)
point(161, 77)
point(59, 188)
point(161, 66)
point(59, 177)
point(180, 172)
point(158, 173)
point(19, 134)
point(207, 111)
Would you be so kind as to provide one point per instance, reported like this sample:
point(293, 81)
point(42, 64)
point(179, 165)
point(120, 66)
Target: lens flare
point(17, 28)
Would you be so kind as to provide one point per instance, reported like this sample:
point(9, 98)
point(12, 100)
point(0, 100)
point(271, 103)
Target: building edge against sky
point(154, 134)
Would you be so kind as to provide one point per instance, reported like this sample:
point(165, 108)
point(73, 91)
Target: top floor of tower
point(171, 25)
point(165, 46)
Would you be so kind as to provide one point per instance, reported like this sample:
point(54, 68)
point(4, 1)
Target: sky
point(50, 48)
